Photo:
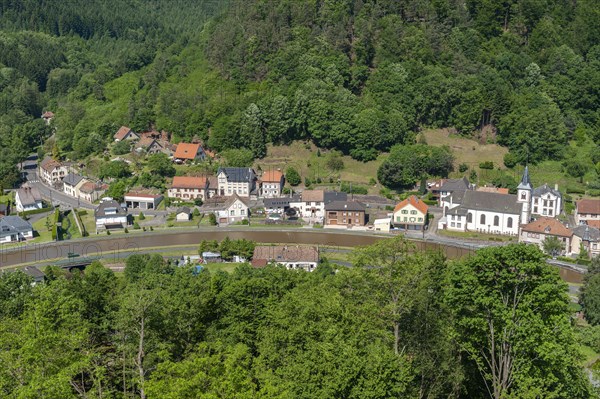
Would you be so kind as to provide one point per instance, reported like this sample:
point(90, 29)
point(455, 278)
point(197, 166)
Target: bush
point(510, 160)
point(353, 189)
point(486, 165)
point(198, 202)
point(107, 232)
point(245, 222)
point(307, 181)
point(196, 212)
point(463, 167)
point(136, 226)
point(126, 230)
point(141, 216)
point(292, 176)
point(575, 190)
point(212, 219)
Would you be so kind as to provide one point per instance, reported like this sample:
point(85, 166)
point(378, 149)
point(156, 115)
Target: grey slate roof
point(29, 195)
point(493, 202)
point(10, 225)
point(231, 200)
point(525, 183)
point(239, 175)
point(3, 208)
point(109, 209)
point(280, 202)
point(538, 192)
point(457, 196)
point(72, 179)
point(330, 196)
point(183, 209)
point(353, 206)
point(587, 233)
point(459, 210)
point(452, 185)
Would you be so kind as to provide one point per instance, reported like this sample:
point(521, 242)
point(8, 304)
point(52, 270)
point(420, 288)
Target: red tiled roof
point(414, 201)
point(590, 206)
point(272, 176)
point(48, 115)
point(550, 226)
point(498, 190)
point(593, 223)
point(187, 151)
point(50, 164)
point(122, 132)
point(188, 182)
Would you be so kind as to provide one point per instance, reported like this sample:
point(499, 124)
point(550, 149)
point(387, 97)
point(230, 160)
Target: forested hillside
point(416, 326)
point(356, 75)
point(55, 54)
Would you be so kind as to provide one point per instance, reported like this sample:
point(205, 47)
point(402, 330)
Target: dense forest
point(356, 75)
point(398, 324)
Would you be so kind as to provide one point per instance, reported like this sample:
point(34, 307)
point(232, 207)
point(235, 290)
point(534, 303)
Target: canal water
point(107, 246)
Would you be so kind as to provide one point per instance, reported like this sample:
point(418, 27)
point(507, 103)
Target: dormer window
point(523, 195)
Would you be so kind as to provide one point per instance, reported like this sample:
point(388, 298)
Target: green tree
point(160, 164)
point(253, 129)
point(589, 295)
point(114, 170)
point(238, 158)
point(552, 245)
point(292, 176)
point(511, 311)
point(576, 168)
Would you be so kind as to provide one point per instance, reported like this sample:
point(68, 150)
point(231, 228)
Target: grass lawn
point(304, 157)
point(476, 236)
point(225, 267)
point(42, 230)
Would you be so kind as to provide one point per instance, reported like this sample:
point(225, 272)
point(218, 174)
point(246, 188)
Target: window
point(413, 212)
point(496, 220)
point(420, 219)
point(550, 212)
point(482, 219)
point(535, 201)
point(509, 223)
point(551, 203)
point(355, 220)
point(535, 209)
point(242, 211)
point(469, 217)
point(404, 212)
point(452, 224)
point(458, 225)
point(344, 221)
point(232, 212)
point(398, 218)
point(523, 195)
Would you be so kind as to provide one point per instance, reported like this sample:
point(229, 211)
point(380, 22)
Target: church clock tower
point(524, 191)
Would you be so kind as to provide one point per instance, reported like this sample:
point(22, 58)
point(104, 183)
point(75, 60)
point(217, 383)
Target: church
point(489, 212)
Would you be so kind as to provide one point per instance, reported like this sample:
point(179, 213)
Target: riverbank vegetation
point(398, 324)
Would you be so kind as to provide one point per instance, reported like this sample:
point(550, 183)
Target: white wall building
point(28, 199)
point(240, 181)
point(14, 229)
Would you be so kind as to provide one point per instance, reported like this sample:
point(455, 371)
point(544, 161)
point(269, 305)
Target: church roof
point(525, 181)
point(492, 202)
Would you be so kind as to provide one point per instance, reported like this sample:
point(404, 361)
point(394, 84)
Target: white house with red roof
point(271, 184)
point(190, 188)
point(125, 133)
point(188, 152)
point(410, 214)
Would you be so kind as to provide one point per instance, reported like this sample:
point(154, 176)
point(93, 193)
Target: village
point(450, 209)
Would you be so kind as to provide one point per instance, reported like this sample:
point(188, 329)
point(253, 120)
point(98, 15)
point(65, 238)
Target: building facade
point(189, 188)
point(28, 199)
point(292, 257)
point(345, 213)
point(271, 184)
point(410, 214)
point(240, 181)
point(14, 229)
point(52, 171)
point(587, 210)
point(538, 230)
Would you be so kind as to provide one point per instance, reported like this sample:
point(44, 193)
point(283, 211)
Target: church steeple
point(524, 191)
point(525, 182)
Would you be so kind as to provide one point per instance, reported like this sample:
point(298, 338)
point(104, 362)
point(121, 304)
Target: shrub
point(245, 222)
point(126, 230)
point(136, 226)
point(486, 165)
point(107, 232)
point(212, 219)
point(141, 216)
point(463, 167)
point(198, 202)
point(575, 190)
point(510, 160)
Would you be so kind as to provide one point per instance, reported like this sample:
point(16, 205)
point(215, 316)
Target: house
point(183, 214)
point(52, 171)
point(345, 213)
point(150, 146)
point(211, 257)
point(587, 237)
point(190, 188)
point(28, 199)
point(110, 215)
point(311, 205)
point(483, 212)
point(292, 257)
point(48, 116)
point(240, 181)
point(14, 229)
point(271, 184)
point(90, 191)
point(279, 205)
point(410, 214)
point(538, 230)
point(451, 186)
point(546, 201)
point(188, 152)
point(36, 274)
point(587, 210)
point(382, 225)
point(235, 209)
point(72, 183)
point(142, 200)
point(125, 133)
